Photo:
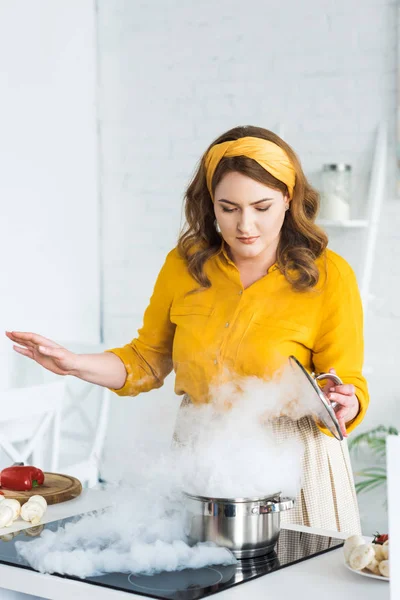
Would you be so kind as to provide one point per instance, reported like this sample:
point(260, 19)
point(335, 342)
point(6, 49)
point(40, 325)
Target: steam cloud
point(224, 449)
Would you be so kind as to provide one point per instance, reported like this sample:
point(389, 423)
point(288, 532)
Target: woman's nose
point(244, 224)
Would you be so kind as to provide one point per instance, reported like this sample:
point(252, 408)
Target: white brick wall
point(173, 76)
point(48, 183)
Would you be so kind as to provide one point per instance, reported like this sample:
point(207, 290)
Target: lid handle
point(331, 376)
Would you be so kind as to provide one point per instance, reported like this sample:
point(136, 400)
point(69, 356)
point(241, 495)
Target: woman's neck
point(260, 263)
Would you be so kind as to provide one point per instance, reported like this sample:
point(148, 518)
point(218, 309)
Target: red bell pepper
point(21, 478)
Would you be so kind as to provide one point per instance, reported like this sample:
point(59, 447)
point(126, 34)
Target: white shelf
point(349, 223)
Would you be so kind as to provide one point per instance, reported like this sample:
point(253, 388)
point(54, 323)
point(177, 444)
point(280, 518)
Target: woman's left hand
point(347, 402)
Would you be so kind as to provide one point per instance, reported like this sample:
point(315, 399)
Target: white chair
point(84, 422)
point(91, 441)
point(84, 417)
point(30, 422)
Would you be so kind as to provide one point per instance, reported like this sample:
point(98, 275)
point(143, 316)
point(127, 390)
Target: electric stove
point(189, 584)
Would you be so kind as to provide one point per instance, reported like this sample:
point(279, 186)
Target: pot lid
point(317, 402)
point(271, 497)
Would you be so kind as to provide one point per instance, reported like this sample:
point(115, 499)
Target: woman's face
point(250, 215)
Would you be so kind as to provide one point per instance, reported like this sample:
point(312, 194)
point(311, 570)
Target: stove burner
point(258, 560)
point(245, 564)
point(193, 584)
point(173, 581)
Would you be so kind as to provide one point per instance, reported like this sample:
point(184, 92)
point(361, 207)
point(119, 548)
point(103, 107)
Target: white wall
point(49, 180)
point(172, 77)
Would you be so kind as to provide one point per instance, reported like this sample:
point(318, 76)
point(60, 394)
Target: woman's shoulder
point(174, 260)
point(334, 268)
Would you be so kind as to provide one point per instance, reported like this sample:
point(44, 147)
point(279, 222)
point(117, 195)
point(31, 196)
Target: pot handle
point(271, 507)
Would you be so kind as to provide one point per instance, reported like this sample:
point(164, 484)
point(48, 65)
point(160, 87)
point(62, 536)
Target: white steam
point(225, 449)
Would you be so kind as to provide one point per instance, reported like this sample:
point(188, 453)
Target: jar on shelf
point(335, 192)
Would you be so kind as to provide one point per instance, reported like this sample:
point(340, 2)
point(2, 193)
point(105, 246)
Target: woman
point(250, 283)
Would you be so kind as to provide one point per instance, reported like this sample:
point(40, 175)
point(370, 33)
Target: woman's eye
point(228, 209)
point(263, 209)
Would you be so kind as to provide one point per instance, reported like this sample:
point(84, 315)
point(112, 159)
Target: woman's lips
point(247, 240)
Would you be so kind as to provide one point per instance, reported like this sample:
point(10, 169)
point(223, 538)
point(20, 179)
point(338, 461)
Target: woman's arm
point(148, 358)
point(102, 369)
point(340, 343)
point(137, 367)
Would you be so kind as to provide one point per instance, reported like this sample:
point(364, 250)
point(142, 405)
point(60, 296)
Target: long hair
point(301, 241)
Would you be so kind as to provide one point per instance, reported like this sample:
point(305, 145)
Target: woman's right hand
point(46, 353)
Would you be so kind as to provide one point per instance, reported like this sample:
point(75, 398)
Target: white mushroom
point(373, 566)
point(361, 556)
point(351, 543)
point(33, 502)
point(33, 512)
point(14, 505)
point(6, 516)
point(39, 499)
point(385, 551)
point(384, 568)
point(34, 531)
point(8, 536)
point(379, 553)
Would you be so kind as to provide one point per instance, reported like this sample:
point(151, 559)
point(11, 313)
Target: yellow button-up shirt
point(248, 332)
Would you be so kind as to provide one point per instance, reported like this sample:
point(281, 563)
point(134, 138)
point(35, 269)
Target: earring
point(217, 227)
point(287, 207)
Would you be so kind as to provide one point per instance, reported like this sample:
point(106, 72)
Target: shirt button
point(226, 324)
point(215, 362)
point(241, 292)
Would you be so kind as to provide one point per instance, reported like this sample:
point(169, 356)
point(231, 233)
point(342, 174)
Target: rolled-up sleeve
point(340, 341)
point(148, 358)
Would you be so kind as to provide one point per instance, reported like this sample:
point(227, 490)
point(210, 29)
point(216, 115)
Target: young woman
point(250, 282)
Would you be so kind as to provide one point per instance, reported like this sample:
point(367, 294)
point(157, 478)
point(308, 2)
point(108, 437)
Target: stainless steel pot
point(248, 527)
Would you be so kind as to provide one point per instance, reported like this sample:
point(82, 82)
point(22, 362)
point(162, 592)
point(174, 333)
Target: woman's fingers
point(341, 413)
point(347, 389)
point(24, 344)
point(342, 425)
point(52, 352)
point(22, 337)
point(30, 344)
point(342, 399)
point(25, 351)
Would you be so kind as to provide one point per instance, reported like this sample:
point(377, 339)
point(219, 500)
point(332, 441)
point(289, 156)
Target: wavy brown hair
point(301, 240)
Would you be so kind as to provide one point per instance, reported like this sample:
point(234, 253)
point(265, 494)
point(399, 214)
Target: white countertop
point(324, 576)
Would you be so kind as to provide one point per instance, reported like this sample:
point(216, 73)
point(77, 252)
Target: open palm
point(45, 352)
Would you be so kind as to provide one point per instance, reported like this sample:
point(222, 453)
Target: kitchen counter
point(323, 576)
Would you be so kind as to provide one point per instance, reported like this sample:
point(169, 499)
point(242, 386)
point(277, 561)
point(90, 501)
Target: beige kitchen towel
point(327, 499)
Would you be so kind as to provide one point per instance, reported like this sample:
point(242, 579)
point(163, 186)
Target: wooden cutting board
point(55, 489)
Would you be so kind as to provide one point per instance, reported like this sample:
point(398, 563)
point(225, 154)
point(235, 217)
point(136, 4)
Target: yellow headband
point(269, 155)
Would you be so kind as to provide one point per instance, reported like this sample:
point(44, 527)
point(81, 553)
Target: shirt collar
point(224, 252)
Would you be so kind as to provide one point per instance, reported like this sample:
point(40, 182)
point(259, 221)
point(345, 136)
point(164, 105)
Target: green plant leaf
point(367, 486)
point(373, 478)
point(375, 439)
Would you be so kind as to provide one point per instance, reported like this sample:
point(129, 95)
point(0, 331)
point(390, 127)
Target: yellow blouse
point(251, 331)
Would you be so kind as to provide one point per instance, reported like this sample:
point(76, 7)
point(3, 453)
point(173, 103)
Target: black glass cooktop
point(189, 584)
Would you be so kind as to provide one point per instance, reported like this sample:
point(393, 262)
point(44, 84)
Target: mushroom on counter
point(6, 515)
point(34, 509)
point(14, 505)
